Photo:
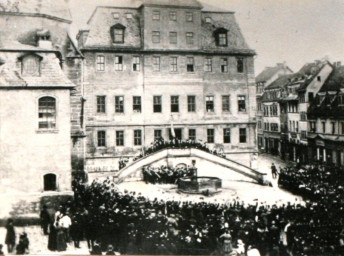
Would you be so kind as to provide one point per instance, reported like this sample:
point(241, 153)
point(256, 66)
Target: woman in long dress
point(227, 242)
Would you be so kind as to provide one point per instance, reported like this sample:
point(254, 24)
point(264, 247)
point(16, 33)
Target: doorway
point(50, 182)
point(178, 132)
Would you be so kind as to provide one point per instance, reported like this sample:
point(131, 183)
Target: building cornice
point(242, 52)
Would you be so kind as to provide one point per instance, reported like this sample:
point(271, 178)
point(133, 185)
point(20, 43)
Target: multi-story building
point(161, 63)
point(326, 121)
point(35, 116)
point(297, 94)
point(272, 124)
point(263, 80)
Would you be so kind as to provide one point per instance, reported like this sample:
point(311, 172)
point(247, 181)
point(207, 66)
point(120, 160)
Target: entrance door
point(178, 132)
point(50, 182)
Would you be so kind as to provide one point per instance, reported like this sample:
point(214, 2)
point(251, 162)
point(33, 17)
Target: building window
point(136, 63)
point(207, 20)
point(115, 15)
point(323, 127)
point(190, 64)
point(341, 100)
point(174, 103)
point(240, 65)
point(119, 138)
point(191, 103)
point(156, 37)
point(224, 65)
point(137, 137)
point(208, 65)
point(157, 105)
point(118, 63)
point(242, 135)
point(129, 15)
point(173, 15)
point(156, 63)
point(173, 64)
point(342, 130)
point(242, 103)
point(333, 124)
point(189, 38)
point(303, 135)
point(50, 182)
point(157, 135)
point(225, 103)
point(192, 134)
point(210, 135)
point(259, 124)
point(274, 127)
point(47, 113)
point(100, 63)
point(119, 104)
point(226, 135)
point(137, 104)
point(221, 37)
point(209, 103)
point(156, 15)
point(118, 35)
point(101, 139)
point(189, 16)
point(303, 116)
point(101, 104)
point(312, 126)
point(173, 37)
point(31, 66)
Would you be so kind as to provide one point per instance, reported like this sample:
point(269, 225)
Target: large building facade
point(35, 97)
point(159, 64)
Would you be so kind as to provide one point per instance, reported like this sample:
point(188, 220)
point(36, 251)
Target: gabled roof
point(335, 81)
point(48, 8)
point(269, 72)
point(280, 82)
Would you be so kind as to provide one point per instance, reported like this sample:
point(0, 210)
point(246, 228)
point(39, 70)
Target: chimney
point(43, 39)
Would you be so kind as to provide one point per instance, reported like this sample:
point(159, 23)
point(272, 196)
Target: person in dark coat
point(10, 239)
point(52, 244)
point(45, 219)
point(23, 245)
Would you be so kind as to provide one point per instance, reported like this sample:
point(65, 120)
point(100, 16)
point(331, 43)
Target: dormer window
point(117, 33)
point(221, 37)
point(30, 65)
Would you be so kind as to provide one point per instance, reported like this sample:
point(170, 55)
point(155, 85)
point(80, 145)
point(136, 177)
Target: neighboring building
point(155, 63)
point(263, 80)
point(297, 94)
point(273, 125)
point(35, 102)
point(326, 121)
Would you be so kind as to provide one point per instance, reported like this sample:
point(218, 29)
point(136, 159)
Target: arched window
point(47, 113)
point(50, 182)
point(30, 64)
point(117, 33)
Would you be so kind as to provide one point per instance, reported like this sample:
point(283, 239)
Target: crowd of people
point(132, 224)
point(165, 174)
point(160, 144)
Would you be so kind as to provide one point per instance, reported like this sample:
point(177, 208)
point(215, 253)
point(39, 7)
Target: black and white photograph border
point(171, 127)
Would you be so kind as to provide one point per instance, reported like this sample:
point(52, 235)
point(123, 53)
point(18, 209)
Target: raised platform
point(200, 185)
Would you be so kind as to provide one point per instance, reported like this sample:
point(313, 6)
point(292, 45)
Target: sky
point(291, 31)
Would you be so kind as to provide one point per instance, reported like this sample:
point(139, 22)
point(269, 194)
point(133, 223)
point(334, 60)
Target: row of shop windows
point(174, 104)
point(120, 138)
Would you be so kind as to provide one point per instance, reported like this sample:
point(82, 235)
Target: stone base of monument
point(200, 185)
